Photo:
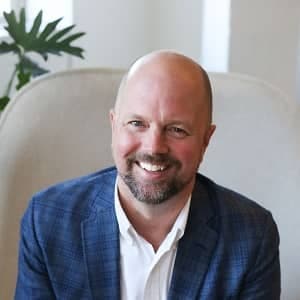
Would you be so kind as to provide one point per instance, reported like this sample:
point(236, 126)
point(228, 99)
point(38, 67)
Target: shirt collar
point(128, 232)
point(124, 224)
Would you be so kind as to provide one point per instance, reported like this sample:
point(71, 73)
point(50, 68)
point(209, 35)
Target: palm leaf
point(3, 102)
point(22, 24)
point(30, 66)
point(49, 29)
point(55, 37)
point(49, 41)
point(71, 38)
point(44, 42)
point(36, 25)
point(6, 48)
point(23, 78)
point(16, 29)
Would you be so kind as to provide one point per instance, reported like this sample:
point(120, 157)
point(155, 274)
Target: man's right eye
point(136, 123)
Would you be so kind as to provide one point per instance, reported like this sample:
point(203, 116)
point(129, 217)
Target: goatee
point(153, 192)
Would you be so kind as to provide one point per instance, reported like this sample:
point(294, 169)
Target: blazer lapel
point(195, 248)
point(100, 236)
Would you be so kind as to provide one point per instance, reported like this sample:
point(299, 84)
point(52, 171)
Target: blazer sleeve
point(263, 281)
point(32, 281)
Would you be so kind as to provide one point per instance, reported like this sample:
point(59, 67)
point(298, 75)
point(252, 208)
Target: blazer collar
point(196, 247)
point(100, 241)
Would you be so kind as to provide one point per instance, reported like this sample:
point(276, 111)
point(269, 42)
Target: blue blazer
point(69, 246)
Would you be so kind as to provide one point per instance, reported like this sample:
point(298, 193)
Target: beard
point(153, 192)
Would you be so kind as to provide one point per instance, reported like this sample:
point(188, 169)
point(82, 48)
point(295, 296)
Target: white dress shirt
point(146, 274)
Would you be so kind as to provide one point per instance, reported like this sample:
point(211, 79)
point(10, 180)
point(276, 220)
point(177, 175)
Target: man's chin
point(152, 193)
point(152, 198)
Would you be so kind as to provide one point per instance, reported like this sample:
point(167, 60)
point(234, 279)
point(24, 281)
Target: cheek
point(123, 144)
point(190, 154)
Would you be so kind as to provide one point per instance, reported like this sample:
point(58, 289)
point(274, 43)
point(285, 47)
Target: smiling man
point(151, 227)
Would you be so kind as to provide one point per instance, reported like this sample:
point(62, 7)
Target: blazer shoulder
point(229, 202)
point(80, 194)
point(247, 242)
point(236, 213)
point(239, 219)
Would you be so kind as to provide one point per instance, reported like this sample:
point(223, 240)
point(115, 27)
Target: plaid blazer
point(69, 245)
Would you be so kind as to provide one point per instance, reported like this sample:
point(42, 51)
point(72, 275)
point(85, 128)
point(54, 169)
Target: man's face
point(160, 131)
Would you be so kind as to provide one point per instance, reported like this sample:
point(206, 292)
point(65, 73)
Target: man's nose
point(155, 142)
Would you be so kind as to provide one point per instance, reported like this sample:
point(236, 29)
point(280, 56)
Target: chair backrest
point(58, 127)
point(55, 128)
point(256, 151)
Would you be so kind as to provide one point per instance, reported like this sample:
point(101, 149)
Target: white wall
point(121, 31)
point(117, 31)
point(264, 36)
point(177, 24)
point(265, 41)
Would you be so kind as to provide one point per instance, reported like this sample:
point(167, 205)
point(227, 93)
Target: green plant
point(42, 42)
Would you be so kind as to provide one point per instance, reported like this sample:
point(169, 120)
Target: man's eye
point(177, 131)
point(136, 123)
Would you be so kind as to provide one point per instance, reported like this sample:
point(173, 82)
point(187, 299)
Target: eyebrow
point(134, 116)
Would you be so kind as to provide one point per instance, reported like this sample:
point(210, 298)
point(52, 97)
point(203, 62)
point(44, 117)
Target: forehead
point(163, 85)
point(159, 101)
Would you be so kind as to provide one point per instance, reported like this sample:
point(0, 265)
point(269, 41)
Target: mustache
point(153, 158)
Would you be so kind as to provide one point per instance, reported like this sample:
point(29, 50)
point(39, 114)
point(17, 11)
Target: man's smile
point(152, 167)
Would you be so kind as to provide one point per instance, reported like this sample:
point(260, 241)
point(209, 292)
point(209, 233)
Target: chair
point(57, 128)
point(256, 151)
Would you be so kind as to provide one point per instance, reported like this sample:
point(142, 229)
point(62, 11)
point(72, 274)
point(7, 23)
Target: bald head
point(173, 67)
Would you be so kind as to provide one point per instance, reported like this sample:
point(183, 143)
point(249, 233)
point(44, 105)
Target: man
point(152, 228)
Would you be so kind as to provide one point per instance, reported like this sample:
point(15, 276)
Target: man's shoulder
point(231, 204)
point(78, 194)
point(237, 218)
point(244, 242)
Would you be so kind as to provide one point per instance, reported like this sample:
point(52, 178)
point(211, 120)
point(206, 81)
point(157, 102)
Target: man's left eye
point(177, 131)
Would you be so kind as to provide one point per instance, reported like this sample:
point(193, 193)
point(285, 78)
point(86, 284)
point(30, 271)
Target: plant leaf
point(6, 48)
point(22, 23)
point(60, 34)
point(36, 26)
point(75, 51)
point(3, 102)
point(23, 78)
point(54, 46)
point(30, 66)
point(48, 41)
point(32, 35)
point(71, 38)
point(49, 29)
point(17, 30)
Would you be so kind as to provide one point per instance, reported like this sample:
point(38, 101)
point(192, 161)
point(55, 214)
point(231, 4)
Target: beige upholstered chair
point(256, 151)
point(57, 128)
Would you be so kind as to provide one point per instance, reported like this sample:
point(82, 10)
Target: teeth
point(150, 167)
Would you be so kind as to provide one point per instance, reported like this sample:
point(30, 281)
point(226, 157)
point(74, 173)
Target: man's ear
point(208, 134)
point(210, 131)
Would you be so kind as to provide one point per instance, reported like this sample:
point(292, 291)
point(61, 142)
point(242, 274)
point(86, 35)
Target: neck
point(152, 222)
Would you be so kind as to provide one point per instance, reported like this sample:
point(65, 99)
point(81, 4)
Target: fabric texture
point(69, 246)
